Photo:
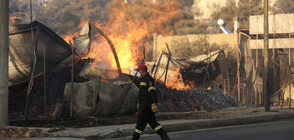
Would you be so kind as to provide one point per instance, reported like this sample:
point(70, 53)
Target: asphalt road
point(282, 130)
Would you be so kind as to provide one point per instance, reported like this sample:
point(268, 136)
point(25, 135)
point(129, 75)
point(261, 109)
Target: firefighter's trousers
point(145, 116)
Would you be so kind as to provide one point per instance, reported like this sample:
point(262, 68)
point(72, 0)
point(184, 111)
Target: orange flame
point(69, 37)
point(194, 108)
point(131, 26)
point(12, 19)
point(177, 83)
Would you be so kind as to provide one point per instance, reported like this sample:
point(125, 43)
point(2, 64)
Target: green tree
point(65, 16)
point(186, 4)
point(245, 9)
point(185, 48)
point(187, 25)
point(284, 6)
point(62, 16)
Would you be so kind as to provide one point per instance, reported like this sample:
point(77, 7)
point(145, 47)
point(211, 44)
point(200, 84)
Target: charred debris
point(42, 61)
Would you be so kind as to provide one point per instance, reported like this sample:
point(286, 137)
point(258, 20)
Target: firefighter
point(147, 105)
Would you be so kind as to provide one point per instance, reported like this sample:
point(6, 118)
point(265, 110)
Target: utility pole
point(154, 47)
point(266, 62)
point(238, 67)
point(4, 32)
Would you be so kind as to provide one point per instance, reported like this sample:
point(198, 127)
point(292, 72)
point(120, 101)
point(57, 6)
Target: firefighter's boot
point(136, 136)
point(164, 136)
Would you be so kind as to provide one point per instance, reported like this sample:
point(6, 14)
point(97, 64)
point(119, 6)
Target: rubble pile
point(24, 132)
point(172, 100)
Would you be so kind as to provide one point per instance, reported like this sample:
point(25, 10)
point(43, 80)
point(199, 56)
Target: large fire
point(131, 26)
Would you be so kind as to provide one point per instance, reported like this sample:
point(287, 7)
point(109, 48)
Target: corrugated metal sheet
point(193, 69)
point(21, 51)
point(206, 57)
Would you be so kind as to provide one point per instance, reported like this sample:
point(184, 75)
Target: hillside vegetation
point(64, 16)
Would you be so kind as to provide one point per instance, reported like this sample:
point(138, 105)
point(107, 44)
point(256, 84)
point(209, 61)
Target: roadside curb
point(117, 131)
point(201, 124)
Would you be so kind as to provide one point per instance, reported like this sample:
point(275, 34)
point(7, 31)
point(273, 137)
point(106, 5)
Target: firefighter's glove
point(138, 106)
point(154, 108)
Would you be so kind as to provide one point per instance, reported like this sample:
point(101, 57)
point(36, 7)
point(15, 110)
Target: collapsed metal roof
point(21, 51)
point(193, 69)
